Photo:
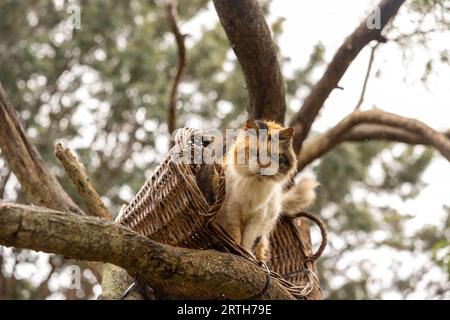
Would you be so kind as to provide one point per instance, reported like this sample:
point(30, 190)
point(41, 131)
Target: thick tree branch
point(175, 272)
point(80, 180)
point(172, 17)
point(365, 132)
point(247, 30)
point(374, 124)
point(250, 37)
point(40, 185)
point(352, 46)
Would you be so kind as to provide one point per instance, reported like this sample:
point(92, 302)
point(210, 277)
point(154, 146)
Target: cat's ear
point(286, 134)
point(251, 124)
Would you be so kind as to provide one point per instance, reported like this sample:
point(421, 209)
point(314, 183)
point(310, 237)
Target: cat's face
point(264, 149)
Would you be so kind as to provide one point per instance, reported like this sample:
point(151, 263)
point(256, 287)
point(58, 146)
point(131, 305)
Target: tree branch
point(172, 16)
point(366, 79)
point(247, 30)
point(352, 46)
point(24, 160)
point(174, 272)
point(77, 175)
point(383, 125)
point(365, 132)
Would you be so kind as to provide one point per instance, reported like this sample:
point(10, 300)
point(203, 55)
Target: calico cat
point(255, 199)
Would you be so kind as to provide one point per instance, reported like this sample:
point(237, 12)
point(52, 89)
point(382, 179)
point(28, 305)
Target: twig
point(78, 176)
point(172, 16)
point(366, 80)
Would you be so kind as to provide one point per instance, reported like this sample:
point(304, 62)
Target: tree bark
point(173, 272)
point(250, 38)
point(366, 132)
point(115, 283)
point(80, 180)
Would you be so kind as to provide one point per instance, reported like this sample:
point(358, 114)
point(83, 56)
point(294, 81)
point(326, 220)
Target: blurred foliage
point(430, 24)
point(102, 91)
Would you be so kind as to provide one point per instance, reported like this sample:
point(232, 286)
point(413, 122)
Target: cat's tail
point(300, 197)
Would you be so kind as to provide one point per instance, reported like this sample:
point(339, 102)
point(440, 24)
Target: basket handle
point(323, 232)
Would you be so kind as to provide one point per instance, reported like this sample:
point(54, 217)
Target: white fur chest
point(254, 195)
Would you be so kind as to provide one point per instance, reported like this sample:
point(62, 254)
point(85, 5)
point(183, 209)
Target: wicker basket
point(291, 258)
point(172, 209)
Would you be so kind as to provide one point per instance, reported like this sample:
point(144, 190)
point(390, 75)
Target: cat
point(253, 200)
